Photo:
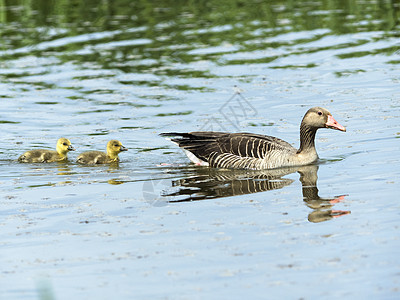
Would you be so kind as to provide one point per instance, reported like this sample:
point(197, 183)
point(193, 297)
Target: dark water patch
point(152, 149)
point(21, 74)
point(301, 66)
point(38, 85)
point(125, 103)
point(184, 73)
point(94, 111)
point(339, 157)
point(330, 160)
point(261, 124)
point(127, 68)
point(99, 132)
point(385, 50)
point(76, 98)
point(346, 73)
point(99, 91)
point(354, 54)
point(60, 46)
point(252, 61)
point(135, 127)
point(116, 181)
point(183, 113)
point(42, 185)
point(8, 122)
point(297, 50)
point(91, 77)
point(286, 40)
point(47, 103)
point(184, 87)
point(158, 97)
point(140, 82)
point(335, 46)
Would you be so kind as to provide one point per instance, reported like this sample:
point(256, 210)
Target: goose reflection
point(217, 184)
point(322, 207)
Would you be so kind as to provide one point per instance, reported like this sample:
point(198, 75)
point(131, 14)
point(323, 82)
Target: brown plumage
point(255, 151)
point(44, 155)
point(114, 147)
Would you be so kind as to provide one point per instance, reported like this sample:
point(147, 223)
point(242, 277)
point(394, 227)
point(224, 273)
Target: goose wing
point(231, 150)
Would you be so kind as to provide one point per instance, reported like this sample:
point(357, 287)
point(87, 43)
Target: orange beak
point(332, 123)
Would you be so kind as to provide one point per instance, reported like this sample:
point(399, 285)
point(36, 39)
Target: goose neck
point(307, 138)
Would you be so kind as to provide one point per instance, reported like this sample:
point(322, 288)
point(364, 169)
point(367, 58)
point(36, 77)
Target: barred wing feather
point(233, 150)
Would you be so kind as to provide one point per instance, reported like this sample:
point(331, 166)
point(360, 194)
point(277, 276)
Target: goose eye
point(65, 144)
point(320, 113)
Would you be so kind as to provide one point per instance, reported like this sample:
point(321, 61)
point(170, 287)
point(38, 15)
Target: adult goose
point(44, 155)
point(254, 151)
point(114, 147)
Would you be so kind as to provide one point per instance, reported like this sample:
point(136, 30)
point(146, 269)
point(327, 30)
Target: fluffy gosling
point(45, 156)
point(114, 147)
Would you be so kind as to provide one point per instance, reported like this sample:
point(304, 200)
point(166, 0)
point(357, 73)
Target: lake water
point(156, 227)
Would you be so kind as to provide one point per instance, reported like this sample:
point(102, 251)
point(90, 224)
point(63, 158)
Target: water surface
point(156, 227)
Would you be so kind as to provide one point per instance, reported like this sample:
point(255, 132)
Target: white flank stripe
point(195, 159)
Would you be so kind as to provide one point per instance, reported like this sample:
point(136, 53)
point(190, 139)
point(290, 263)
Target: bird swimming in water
point(114, 147)
point(255, 151)
point(44, 155)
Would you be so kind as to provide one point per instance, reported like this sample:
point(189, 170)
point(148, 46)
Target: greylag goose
point(209, 183)
point(44, 155)
point(255, 151)
point(114, 147)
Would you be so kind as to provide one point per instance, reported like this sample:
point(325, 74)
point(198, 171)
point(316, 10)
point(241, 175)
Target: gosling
point(45, 156)
point(114, 147)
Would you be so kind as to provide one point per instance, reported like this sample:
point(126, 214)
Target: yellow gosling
point(114, 147)
point(44, 155)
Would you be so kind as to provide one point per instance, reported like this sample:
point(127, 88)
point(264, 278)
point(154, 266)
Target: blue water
point(157, 227)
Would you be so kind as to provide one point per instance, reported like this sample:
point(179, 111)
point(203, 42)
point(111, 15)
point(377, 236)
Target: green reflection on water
point(8, 122)
point(186, 23)
point(168, 38)
point(183, 113)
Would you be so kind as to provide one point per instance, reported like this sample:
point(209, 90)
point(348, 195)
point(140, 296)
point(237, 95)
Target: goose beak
point(70, 148)
point(333, 124)
point(123, 148)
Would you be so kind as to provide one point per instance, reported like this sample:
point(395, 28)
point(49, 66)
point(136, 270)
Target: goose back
point(233, 150)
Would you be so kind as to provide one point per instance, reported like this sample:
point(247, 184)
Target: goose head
point(318, 117)
point(114, 147)
point(64, 146)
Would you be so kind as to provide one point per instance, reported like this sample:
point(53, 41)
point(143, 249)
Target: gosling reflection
point(113, 166)
point(217, 184)
point(63, 168)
